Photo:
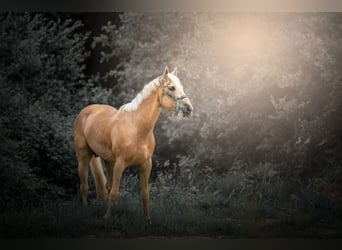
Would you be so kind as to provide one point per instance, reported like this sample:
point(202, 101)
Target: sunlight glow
point(243, 40)
point(247, 42)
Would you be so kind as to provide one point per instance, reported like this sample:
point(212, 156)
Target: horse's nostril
point(187, 108)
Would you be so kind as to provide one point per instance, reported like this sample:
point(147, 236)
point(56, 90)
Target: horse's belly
point(100, 150)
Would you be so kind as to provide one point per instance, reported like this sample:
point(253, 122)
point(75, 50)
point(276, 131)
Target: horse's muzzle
point(186, 109)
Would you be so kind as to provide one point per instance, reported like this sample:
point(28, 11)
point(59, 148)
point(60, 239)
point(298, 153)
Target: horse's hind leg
point(99, 177)
point(109, 168)
point(83, 157)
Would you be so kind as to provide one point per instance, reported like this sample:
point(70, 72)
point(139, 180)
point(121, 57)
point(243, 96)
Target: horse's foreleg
point(144, 173)
point(119, 167)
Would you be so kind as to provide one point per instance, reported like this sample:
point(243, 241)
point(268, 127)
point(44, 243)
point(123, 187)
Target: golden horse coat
point(124, 137)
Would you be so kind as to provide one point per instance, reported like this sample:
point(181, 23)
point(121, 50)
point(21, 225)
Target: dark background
point(260, 157)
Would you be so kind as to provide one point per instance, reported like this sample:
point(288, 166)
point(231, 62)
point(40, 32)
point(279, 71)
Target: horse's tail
point(99, 177)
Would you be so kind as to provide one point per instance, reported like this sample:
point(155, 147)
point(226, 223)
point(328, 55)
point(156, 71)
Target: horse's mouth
point(185, 110)
point(184, 114)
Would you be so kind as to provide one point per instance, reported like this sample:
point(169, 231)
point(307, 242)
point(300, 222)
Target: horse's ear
point(174, 72)
point(166, 71)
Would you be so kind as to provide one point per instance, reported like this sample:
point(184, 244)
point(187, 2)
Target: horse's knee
point(145, 194)
point(84, 187)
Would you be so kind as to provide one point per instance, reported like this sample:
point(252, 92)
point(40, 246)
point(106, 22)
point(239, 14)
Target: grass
point(175, 212)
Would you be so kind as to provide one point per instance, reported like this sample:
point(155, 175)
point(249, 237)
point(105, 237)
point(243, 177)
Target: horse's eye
point(172, 88)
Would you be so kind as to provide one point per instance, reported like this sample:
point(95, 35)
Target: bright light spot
point(247, 42)
point(243, 40)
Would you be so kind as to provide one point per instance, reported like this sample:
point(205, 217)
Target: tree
point(43, 88)
point(256, 82)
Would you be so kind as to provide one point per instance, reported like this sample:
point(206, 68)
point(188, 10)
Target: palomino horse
point(124, 137)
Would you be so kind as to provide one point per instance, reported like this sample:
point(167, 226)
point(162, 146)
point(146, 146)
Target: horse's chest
point(135, 151)
point(137, 154)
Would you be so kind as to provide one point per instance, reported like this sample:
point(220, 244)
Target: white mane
point(147, 91)
point(142, 95)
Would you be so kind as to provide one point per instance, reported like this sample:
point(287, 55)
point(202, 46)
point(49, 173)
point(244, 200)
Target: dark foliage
point(267, 95)
point(42, 87)
point(262, 153)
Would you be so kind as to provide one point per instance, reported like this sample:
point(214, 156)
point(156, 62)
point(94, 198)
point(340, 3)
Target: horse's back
point(105, 111)
point(98, 108)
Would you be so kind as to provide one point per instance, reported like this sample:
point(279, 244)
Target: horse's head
point(172, 95)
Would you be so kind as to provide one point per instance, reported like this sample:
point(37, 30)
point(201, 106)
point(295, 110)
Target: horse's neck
point(147, 114)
